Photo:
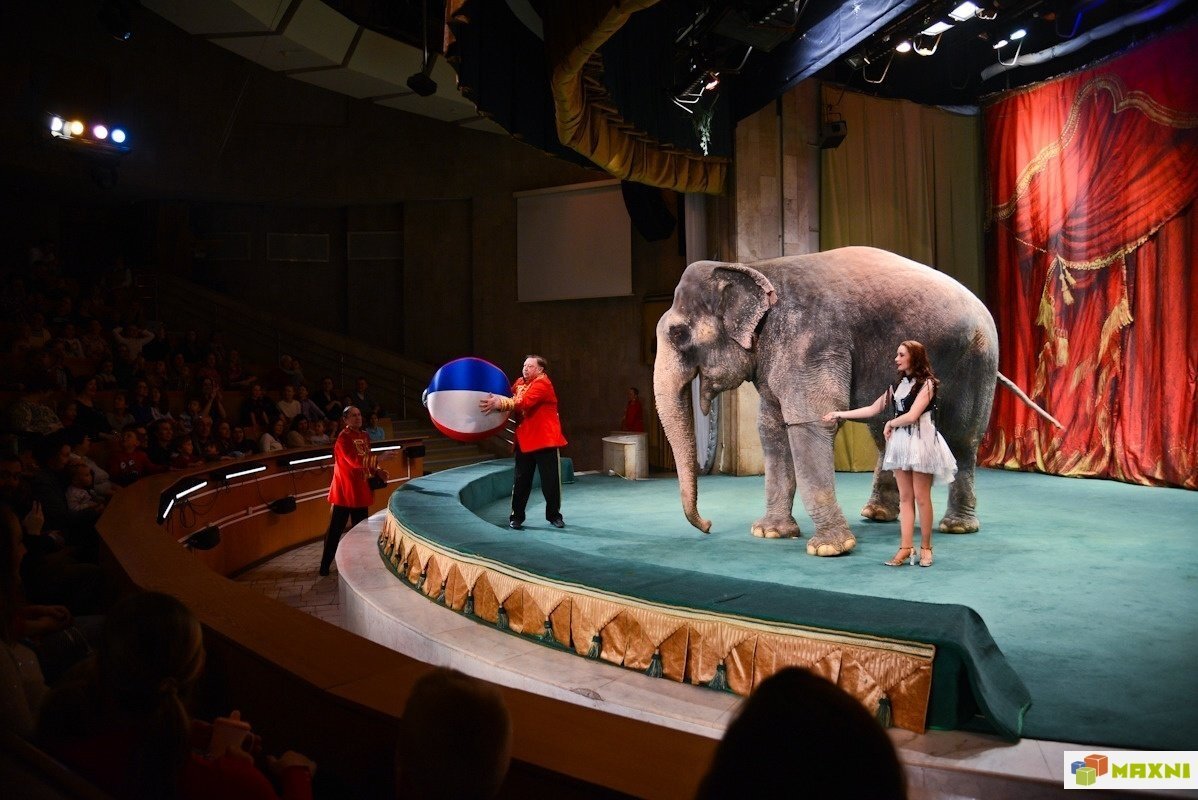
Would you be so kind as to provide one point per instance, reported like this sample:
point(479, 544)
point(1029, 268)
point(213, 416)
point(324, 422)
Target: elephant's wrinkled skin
point(817, 333)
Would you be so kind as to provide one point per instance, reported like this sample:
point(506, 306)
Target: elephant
point(817, 333)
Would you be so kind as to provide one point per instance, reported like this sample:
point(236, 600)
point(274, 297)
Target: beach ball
point(452, 399)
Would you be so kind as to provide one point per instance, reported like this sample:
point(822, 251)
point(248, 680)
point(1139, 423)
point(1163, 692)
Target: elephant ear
point(745, 296)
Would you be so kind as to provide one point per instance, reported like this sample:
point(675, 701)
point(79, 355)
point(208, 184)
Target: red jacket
point(538, 425)
point(351, 457)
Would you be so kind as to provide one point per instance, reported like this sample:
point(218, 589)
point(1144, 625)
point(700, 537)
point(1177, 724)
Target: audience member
point(308, 408)
point(362, 398)
point(319, 435)
point(130, 462)
point(257, 410)
point(124, 366)
point(124, 724)
point(159, 405)
point(300, 433)
point(289, 372)
point(455, 739)
point(185, 456)
point(209, 371)
point(202, 434)
point(119, 418)
point(161, 448)
point(212, 401)
point(90, 419)
point(105, 377)
point(288, 406)
point(133, 337)
point(72, 345)
point(237, 375)
point(187, 419)
point(95, 346)
point(158, 348)
point(224, 437)
point(326, 399)
point(241, 445)
point(31, 414)
point(81, 454)
point(39, 335)
point(190, 347)
point(846, 754)
point(373, 430)
point(81, 493)
point(272, 439)
point(22, 685)
point(139, 403)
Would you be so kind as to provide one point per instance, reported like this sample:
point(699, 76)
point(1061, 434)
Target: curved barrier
point(307, 685)
point(933, 667)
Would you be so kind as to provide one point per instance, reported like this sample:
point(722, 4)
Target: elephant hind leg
point(961, 515)
point(883, 503)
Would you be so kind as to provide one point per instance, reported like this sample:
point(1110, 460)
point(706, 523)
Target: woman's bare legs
point(922, 487)
point(906, 517)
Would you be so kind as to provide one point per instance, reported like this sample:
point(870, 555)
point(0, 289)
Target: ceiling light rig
point(1016, 36)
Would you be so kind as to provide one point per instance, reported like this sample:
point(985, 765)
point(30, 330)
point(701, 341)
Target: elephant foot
point(767, 528)
point(831, 543)
point(960, 523)
point(879, 512)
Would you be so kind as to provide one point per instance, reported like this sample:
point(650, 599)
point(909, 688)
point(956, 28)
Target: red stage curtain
point(1093, 241)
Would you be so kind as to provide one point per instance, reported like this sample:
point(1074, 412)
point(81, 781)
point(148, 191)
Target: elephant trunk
point(672, 392)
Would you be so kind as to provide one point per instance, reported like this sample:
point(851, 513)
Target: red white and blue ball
point(452, 399)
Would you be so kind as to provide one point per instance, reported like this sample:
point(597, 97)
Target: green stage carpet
point(1090, 588)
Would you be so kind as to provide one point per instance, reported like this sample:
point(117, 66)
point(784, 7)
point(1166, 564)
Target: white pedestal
point(626, 455)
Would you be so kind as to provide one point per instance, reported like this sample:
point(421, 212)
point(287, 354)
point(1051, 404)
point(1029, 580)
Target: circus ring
point(934, 667)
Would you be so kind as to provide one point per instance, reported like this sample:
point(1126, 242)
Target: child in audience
point(81, 454)
point(188, 418)
point(319, 437)
point(81, 494)
point(185, 454)
point(373, 430)
point(105, 378)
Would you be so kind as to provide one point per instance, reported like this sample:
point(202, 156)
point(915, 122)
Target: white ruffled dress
point(918, 447)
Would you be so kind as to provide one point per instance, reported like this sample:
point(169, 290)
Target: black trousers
point(332, 537)
point(544, 461)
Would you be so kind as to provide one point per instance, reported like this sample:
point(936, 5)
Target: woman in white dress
point(915, 450)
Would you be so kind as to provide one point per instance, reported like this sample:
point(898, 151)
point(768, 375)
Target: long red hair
point(918, 364)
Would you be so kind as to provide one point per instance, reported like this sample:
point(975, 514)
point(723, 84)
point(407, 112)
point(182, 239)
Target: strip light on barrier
point(386, 448)
point(308, 460)
point(243, 472)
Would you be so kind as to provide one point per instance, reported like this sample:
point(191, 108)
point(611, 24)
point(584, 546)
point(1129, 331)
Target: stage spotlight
point(421, 83)
point(118, 136)
point(100, 132)
point(56, 124)
point(926, 45)
point(76, 128)
point(936, 29)
point(203, 539)
point(1000, 44)
point(963, 12)
point(903, 47)
point(1017, 35)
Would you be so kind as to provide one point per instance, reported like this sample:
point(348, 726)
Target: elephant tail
point(1003, 379)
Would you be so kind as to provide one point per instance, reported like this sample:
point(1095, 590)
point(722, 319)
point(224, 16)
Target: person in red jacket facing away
point(538, 436)
point(349, 493)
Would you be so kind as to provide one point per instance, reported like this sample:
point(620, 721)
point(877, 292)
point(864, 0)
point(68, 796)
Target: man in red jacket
point(538, 436)
point(349, 493)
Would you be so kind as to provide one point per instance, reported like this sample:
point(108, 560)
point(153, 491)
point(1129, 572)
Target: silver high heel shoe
point(900, 560)
point(924, 561)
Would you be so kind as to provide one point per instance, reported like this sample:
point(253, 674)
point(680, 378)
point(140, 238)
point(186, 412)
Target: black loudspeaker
point(284, 505)
point(832, 133)
point(648, 211)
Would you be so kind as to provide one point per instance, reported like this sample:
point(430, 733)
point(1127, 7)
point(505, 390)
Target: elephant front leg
point(779, 521)
point(811, 446)
point(883, 503)
point(961, 515)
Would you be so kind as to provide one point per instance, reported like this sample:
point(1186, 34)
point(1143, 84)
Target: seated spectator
point(202, 433)
point(272, 440)
point(212, 451)
point(224, 436)
point(81, 454)
point(90, 419)
point(319, 436)
point(24, 343)
point(158, 348)
point(157, 375)
point(130, 462)
point(300, 433)
point(68, 414)
point(326, 399)
point(175, 371)
point(48, 487)
point(216, 347)
point(139, 403)
point(288, 406)
point(209, 371)
point(39, 335)
point(362, 398)
point(190, 348)
point(187, 419)
point(119, 418)
point(241, 445)
point(124, 724)
point(159, 405)
point(212, 401)
point(258, 411)
point(81, 493)
point(95, 344)
point(373, 430)
point(105, 377)
point(455, 739)
point(185, 456)
point(22, 685)
point(308, 408)
point(236, 374)
point(31, 413)
point(846, 754)
point(161, 448)
point(133, 337)
point(72, 345)
point(289, 372)
point(124, 366)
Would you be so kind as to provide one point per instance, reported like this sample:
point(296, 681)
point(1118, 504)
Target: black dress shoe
point(516, 526)
point(558, 523)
